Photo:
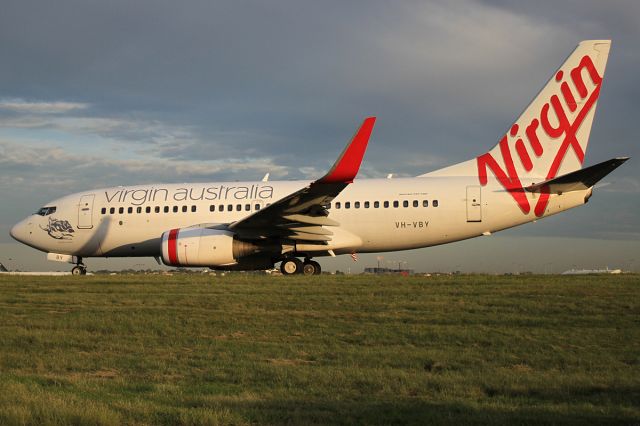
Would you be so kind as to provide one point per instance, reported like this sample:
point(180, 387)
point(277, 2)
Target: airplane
point(534, 171)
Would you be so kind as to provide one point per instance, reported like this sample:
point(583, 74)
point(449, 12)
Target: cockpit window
point(46, 211)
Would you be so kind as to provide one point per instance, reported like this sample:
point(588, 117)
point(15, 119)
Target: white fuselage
point(375, 215)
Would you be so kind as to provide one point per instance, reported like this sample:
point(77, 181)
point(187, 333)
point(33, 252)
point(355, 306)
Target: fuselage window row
point(248, 207)
point(385, 204)
point(156, 209)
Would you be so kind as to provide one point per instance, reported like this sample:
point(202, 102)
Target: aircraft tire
point(308, 269)
point(291, 266)
point(78, 270)
point(317, 268)
point(311, 267)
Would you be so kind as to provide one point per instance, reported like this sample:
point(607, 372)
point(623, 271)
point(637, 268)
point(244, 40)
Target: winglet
point(347, 165)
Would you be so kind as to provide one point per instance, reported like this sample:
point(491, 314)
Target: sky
point(96, 94)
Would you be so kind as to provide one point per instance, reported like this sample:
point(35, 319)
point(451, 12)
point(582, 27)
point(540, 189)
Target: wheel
point(311, 268)
point(78, 270)
point(317, 269)
point(291, 266)
point(308, 269)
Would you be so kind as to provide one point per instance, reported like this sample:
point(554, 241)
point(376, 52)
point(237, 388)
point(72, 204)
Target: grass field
point(331, 349)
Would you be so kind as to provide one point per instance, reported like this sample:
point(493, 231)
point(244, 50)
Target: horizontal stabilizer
point(578, 180)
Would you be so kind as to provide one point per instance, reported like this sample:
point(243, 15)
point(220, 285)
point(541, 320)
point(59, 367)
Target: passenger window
point(148, 209)
point(425, 203)
point(184, 209)
point(166, 209)
point(338, 205)
point(221, 208)
point(366, 204)
point(229, 207)
point(175, 209)
point(434, 203)
point(212, 208)
point(247, 207)
point(112, 210)
point(347, 204)
point(376, 204)
point(193, 208)
point(130, 210)
point(405, 203)
point(121, 210)
point(157, 209)
point(415, 203)
point(238, 207)
point(356, 204)
point(386, 204)
point(139, 210)
point(257, 206)
point(104, 210)
point(395, 204)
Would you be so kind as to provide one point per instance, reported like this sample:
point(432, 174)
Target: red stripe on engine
point(172, 246)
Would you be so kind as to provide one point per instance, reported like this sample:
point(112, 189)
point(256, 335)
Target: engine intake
point(203, 247)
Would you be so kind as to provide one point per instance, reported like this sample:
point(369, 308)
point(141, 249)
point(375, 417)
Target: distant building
point(592, 271)
point(378, 270)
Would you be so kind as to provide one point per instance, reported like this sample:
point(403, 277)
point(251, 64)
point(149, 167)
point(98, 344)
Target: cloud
point(622, 185)
point(40, 107)
point(55, 167)
point(130, 130)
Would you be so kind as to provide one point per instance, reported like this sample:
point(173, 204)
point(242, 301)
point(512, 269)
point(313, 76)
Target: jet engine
point(205, 247)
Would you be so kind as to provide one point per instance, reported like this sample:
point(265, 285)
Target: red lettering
point(524, 155)
point(576, 75)
point(568, 96)
point(510, 182)
point(533, 137)
point(561, 128)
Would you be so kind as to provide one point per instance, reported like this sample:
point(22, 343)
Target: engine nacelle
point(203, 247)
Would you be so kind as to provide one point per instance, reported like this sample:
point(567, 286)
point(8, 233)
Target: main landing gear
point(79, 269)
point(293, 265)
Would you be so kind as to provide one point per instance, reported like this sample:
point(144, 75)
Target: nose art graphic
point(58, 229)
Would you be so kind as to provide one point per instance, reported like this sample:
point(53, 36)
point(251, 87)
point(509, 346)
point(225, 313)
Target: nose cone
point(19, 231)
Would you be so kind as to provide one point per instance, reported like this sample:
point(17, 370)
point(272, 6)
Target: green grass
point(330, 349)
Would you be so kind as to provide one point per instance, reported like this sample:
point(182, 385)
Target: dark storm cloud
point(299, 72)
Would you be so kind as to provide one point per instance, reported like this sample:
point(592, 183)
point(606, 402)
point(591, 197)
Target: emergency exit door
point(85, 212)
point(474, 204)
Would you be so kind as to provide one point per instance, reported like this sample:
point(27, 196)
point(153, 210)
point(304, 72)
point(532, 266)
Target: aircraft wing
point(578, 180)
point(302, 215)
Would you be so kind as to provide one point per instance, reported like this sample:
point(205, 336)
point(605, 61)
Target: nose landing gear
point(79, 269)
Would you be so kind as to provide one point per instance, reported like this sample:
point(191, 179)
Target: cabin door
point(85, 212)
point(474, 204)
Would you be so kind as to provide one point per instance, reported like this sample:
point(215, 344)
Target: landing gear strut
point(294, 265)
point(79, 269)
